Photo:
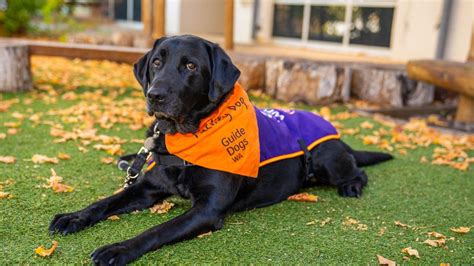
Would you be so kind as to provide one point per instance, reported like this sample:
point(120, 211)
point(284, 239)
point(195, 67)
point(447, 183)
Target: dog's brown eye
point(157, 63)
point(191, 66)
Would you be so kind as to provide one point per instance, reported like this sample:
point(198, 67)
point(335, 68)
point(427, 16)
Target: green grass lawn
point(424, 196)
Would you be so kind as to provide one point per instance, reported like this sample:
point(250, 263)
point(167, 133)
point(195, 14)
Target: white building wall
point(243, 20)
point(459, 30)
point(172, 15)
point(415, 30)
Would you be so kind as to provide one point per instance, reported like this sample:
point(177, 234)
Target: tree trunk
point(15, 74)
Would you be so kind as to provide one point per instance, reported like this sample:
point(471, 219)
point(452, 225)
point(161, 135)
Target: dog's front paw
point(353, 189)
point(68, 223)
point(114, 254)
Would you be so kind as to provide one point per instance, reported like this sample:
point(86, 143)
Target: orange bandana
point(227, 140)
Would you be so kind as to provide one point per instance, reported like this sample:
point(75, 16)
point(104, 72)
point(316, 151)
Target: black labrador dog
point(184, 79)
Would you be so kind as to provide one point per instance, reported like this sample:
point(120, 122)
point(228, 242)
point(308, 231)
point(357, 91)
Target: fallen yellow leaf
point(411, 252)
point(461, 230)
point(40, 159)
point(384, 261)
point(64, 156)
point(12, 131)
point(366, 125)
point(436, 234)
point(107, 160)
point(400, 224)
point(303, 197)
point(7, 159)
point(431, 242)
point(113, 218)
point(5, 195)
point(43, 252)
point(161, 208)
point(3, 135)
point(54, 182)
point(205, 234)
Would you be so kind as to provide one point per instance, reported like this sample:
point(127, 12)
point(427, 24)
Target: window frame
point(304, 41)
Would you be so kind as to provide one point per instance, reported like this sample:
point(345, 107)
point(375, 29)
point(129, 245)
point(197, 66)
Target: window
point(129, 10)
point(288, 21)
point(371, 26)
point(326, 23)
point(338, 22)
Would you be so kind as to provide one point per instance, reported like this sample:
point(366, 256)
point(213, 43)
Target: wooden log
point(229, 25)
point(452, 76)
point(85, 51)
point(465, 112)
point(15, 74)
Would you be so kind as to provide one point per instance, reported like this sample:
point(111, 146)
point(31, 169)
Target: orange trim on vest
point(227, 140)
point(298, 153)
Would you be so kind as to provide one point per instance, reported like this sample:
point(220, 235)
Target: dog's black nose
point(156, 95)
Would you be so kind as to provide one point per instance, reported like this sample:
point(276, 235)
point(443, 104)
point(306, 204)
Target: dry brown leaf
point(350, 131)
point(43, 252)
point(400, 224)
point(107, 160)
point(325, 112)
point(113, 218)
point(12, 131)
point(205, 234)
point(54, 182)
point(304, 197)
point(12, 124)
point(461, 230)
point(5, 195)
point(371, 140)
point(431, 242)
point(350, 221)
point(423, 159)
point(366, 125)
point(7, 159)
point(411, 252)
point(384, 261)
point(436, 234)
point(40, 159)
point(354, 224)
point(112, 149)
point(161, 208)
point(64, 156)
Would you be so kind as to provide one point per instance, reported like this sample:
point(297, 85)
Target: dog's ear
point(224, 74)
point(140, 68)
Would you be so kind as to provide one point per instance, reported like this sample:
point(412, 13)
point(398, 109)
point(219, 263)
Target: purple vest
point(279, 132)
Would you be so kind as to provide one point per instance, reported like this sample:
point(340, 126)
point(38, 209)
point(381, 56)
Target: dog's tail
point(364, 158)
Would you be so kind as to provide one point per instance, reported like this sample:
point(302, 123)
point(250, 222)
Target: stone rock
point(89, 38)
point(381, 86)
point(308, 82)
point(252, 72)
point(141, 41)
point(273, 68)
point(421, 94)
point(123, 38)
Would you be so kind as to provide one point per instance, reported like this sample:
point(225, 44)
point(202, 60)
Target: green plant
point(16, 18)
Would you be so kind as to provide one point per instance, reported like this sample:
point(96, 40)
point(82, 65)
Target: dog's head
point(184, 78)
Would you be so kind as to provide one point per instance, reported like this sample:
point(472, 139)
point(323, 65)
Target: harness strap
point(307, 160)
